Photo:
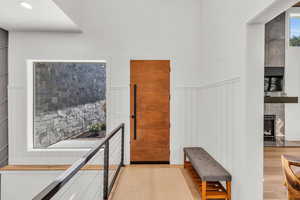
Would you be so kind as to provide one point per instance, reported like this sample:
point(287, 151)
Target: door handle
point(134, 117)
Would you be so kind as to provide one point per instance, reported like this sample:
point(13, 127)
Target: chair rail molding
point(210, 85)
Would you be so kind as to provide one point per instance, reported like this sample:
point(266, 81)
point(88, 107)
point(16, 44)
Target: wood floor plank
point(149, 183)
point(273, 177)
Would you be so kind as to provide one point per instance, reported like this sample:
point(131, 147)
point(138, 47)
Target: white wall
point(253, 105)
point(210, 114)
point(84, 185)
point(3, 98)
point(233, 47)
point(292, 88)
point(292, 85)
point(225, 39)
point(206, 42)
point(117, 32)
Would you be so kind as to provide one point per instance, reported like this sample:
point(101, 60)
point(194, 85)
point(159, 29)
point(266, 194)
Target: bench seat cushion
point(206, 166)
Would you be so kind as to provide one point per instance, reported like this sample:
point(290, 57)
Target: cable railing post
point(106, 166)
point(122, 145)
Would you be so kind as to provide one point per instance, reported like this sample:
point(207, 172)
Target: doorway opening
point(281, 133)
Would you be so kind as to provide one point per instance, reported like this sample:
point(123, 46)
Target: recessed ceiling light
point(26, 5)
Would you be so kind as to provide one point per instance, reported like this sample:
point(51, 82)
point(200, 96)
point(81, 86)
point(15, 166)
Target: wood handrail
point(46, 167)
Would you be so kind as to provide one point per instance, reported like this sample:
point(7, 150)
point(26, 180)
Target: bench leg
point(203, 190)
point(228, 189)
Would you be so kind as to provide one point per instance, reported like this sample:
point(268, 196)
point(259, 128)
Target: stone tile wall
point(68, 98)
point(58, 125)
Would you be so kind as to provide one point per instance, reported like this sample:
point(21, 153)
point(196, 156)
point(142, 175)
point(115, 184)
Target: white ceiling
point(44, 16)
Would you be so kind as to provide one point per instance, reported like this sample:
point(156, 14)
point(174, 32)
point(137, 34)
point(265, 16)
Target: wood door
point(150, 111)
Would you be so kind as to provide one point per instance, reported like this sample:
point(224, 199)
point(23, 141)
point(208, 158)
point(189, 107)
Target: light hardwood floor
point(149, 183)
point(273, 178)
point(164, 182)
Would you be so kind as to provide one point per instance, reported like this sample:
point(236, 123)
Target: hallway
point(159, 182)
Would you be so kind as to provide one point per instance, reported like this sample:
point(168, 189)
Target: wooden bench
point(207, 173)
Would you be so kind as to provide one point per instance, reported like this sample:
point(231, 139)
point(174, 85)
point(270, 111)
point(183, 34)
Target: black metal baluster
point(122, 145)
point(106, 166)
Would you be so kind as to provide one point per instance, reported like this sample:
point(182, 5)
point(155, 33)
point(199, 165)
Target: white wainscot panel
point(119, 112)
point(208, 116)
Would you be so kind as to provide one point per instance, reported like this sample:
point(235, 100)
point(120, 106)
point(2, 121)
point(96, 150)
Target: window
point(294, 30)
point(69, 104)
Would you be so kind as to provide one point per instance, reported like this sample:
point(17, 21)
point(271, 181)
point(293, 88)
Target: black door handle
point(134, 111)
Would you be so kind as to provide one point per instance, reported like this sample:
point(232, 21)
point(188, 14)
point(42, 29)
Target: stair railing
point(53, 188)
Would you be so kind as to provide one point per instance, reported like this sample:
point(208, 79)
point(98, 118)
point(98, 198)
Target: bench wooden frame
point(208, 190)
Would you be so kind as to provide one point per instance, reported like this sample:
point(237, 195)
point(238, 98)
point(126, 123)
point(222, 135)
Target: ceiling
point(45, 15)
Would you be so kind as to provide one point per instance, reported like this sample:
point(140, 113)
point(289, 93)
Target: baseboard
point(149, 162)
point(154, 166)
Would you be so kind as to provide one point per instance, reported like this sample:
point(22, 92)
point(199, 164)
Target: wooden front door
point(150, 111)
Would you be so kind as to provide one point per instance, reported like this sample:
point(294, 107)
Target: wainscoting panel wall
point(119, 112)
point(3, 97)
point(208, 116)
